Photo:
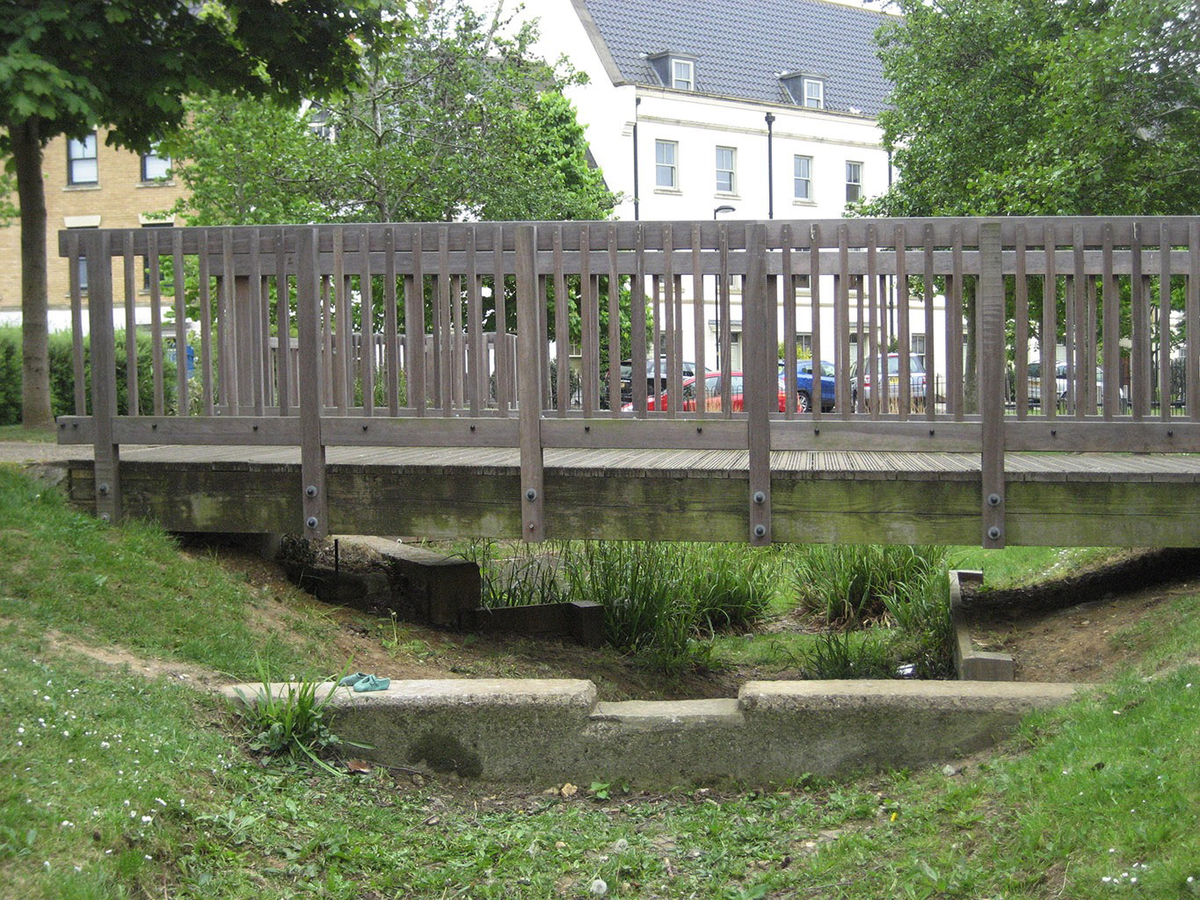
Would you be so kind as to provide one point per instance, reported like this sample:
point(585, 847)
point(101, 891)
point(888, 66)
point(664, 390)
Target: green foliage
point(846, 584)
point(1086, 109)
point(290, 720)
point(460, 121)
point(62, 376)
point(659, 598)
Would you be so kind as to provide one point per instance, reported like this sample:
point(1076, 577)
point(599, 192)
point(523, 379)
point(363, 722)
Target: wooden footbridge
point(411, 379)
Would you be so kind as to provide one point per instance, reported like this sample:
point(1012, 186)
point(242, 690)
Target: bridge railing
point(974, 335)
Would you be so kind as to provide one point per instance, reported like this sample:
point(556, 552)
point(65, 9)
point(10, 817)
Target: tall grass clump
point(659, 598)
point(847, 585)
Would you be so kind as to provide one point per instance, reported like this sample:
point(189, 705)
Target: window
point(81, 161)
point(683, 74)
point(725, 169)
point(666, 164)
point(802, 170)
point(854, 190)
point(814, 93)
point(155, 167)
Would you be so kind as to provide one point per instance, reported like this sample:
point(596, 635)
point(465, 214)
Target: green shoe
point(372, 683)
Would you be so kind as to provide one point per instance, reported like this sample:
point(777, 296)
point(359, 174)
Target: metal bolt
point(531, 495)
point(365, 428)
point(103, 487)
point(311, 490)
point(532, 526)
point(312, 522)
point(760, 530)
point(1053, 432)
point(104, 517)
point(816, 431)
point(931, 432)
point(699, 430)
point(154, 426)
point(760, 497)
point(1170, 434)
point(587, 428)
point(472, 427)
point(994, 533)
point(255, 428)
point(993, 499)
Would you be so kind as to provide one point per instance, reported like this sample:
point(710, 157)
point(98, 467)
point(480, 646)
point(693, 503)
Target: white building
point(728, 108)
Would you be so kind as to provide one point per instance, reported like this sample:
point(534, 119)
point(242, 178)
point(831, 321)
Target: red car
point(709, 393)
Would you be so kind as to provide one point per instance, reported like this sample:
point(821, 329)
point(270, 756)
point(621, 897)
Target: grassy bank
point(115, 786)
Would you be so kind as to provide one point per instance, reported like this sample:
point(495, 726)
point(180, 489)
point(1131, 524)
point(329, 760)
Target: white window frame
point(683, 74)
point(79, 154)
point(854, 186)
point(802, 181)
point(155, 168)
point(729, 172)
point(813, 93)
point(667, 167)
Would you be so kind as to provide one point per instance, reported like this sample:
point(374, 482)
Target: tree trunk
point(35, 318)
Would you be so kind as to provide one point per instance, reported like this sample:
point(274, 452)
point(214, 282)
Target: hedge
point(62, 376)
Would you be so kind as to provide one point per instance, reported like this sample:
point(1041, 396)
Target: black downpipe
point(636, 194)
point(770, 166)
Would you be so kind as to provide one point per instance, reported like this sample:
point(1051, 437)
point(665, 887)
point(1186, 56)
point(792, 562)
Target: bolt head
point(760, 530)
point(531, 495)
point(311, 490)
point(760, 497)
point(312, 522)
point(994, 533)
point(993, 499)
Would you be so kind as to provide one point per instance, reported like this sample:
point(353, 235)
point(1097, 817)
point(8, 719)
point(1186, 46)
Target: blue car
point(804, 385)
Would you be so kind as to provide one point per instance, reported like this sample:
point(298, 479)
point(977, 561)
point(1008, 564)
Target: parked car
point(1060, 386)
point(709, 392)
point(804, 385)
point(654, 385)
point(916, 377)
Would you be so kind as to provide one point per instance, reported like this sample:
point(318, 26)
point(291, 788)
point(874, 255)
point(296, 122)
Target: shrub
point(847, 584)
point(62, 375)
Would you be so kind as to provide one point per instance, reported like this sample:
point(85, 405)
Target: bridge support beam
point(991, 323)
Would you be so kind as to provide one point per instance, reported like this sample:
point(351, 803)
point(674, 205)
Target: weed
point(291, 721)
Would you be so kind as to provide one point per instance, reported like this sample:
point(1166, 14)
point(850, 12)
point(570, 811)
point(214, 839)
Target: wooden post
point(991, 383)
point(104, 375)
point(530, 335)
point(312, 445)
point(760, 387)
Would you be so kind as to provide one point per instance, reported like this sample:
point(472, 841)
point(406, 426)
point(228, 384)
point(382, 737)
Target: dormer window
point(804, 90)
point(674, 70)
point(683, 74)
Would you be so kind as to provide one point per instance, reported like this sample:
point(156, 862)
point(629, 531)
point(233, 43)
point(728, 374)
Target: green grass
point(20, 433)
point(1015, 567)
point(131, 586)
point(117, 786)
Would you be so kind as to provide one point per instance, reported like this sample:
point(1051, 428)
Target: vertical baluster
point(156, 320)
point(366, 321)
point(671, 324)
point(78, 368)
point(442, 337)
point(391, 322)
point(842, 373)
point(504, 367)
point(414, 326)
point(1112, 331)
point(930, 397)
point(478, 347)
point(698, 326)
point(107, 455)
point(1164, 322)
point(283, 326)
point(252, 341)
point(181, 377)
point(875, 287)
point(561, 325)
point(1141, 366)
point(343, 369)
point(1192, 322)
point(637, 312)
point(841, 328)
point(1021, 314)
point(904, 395)
point(955, 348)
point(1047, 354)
point(589, 325)
point(614, 325)
point(789, 380)
point(132, 376)
point(724, 325)
point(205, 295)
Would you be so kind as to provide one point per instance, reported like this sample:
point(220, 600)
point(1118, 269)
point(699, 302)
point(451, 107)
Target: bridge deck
point(1055, 499)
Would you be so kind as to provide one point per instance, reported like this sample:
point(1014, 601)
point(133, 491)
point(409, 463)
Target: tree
point(1042, 107)
point(460, 122)
point(71, 65)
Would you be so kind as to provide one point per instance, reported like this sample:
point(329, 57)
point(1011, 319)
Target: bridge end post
point(991, 325)
point(312, 445)
point(531, 335)
point(761, 381)
point(106, 467)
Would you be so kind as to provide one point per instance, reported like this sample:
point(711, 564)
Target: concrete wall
point(528, 730)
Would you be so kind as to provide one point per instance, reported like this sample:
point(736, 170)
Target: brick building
point(88, 185)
